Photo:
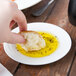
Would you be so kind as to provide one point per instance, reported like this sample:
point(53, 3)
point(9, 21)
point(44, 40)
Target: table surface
point(55, 14)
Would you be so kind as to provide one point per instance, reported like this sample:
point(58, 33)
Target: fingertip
point(23, 29)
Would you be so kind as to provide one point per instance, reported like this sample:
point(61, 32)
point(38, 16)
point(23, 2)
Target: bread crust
point(30, 31)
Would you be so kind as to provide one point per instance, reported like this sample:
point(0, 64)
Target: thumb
point(15, 38)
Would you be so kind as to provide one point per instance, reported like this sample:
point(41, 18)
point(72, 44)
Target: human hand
point(8, 14)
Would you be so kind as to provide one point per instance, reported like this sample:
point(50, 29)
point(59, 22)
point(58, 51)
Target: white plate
point(23, 4)
point(63, 49)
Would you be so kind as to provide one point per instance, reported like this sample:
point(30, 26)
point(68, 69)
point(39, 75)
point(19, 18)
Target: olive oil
point(51, 46)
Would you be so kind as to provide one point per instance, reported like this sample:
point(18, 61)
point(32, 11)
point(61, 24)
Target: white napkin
point(4, 71)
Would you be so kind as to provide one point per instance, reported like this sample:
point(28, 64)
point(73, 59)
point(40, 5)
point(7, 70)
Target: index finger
point(20, 18)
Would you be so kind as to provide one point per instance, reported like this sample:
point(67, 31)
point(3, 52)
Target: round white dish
point(64, 45)
point(23, 4)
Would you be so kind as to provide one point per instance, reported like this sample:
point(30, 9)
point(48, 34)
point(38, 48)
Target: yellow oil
point(51, 46)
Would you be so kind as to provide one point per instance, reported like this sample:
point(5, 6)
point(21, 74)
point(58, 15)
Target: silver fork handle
point(50, 2)
point(41, 10)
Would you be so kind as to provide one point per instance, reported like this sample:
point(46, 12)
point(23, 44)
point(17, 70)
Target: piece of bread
point(34, 41)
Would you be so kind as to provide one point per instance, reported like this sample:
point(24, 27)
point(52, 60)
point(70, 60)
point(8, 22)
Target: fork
point(41, 10)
